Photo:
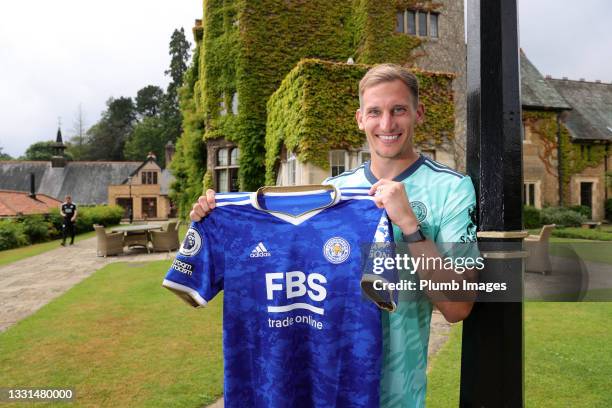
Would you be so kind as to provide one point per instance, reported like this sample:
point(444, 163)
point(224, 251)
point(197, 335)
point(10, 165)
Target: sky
point(58, 55)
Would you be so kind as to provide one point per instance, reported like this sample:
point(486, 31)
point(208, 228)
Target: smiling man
point(428, 204)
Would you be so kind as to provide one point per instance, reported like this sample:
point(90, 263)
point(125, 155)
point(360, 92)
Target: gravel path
point(29, 284)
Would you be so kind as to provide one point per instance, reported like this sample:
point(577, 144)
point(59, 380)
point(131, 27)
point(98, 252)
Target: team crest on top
point(336, 250)
point(419, 209)
point(192, 243)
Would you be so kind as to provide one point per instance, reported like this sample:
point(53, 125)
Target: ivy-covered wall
point(249, 46)
point(574, 158)
point(313, 111)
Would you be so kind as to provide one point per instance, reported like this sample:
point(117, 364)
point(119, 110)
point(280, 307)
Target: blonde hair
point(388, 73)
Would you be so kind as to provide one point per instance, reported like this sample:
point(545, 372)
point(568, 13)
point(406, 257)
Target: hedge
point(562, 217)
point(532, 217)
point(31, 229)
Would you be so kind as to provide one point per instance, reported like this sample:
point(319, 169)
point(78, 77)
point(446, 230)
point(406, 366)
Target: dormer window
point(149, 177)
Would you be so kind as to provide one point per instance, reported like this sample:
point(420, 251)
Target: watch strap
point(416, 236)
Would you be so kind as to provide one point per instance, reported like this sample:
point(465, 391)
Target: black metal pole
point(492, 349)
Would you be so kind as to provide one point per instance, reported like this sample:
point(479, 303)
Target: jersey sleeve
point(196, 275)
point(457, 233)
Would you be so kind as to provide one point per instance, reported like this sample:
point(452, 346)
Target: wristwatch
point(416, 236)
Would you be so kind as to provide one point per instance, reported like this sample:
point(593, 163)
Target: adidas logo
point(260, 251)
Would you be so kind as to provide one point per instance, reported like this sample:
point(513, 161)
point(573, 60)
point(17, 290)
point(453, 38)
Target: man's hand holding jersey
point(392, 196)
point(203, 206)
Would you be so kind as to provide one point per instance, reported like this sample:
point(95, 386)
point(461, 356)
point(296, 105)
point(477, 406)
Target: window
point(226, 169)
point(411, 22)
point(364, 157)
point(422, 19)
point(529, 194)
point(235, 103)
point(399, 26)
point(291, 169)
point(338, 162)
point(222, 107)
point(433, 25)
point(222, 157)
point(149, 177)
point(417, 22)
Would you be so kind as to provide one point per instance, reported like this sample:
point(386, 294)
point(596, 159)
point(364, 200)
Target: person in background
point(68, 210)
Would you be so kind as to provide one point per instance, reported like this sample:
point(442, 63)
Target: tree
point(40, 151)
point(77, 146)
point(107, 138)
point(179, 58)
point(4, 156)
point(148, 136)
point(149, 101)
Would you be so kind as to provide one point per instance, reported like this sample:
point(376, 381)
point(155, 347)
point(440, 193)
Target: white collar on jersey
point(293, 191)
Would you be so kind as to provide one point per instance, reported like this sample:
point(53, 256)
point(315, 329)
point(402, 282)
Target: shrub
point(582, 209)
point(561, 216)
point(608, 207)
point(56, 220)
point(36, 228)
point(532, 217)
point(12, 234)
point(104, 215)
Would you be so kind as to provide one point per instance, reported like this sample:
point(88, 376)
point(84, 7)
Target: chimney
point(169, 153)
point(32, 186)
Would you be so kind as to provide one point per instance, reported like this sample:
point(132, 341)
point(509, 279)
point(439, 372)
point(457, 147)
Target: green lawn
point(568, 358)
point(120, 340)
point(11, 255)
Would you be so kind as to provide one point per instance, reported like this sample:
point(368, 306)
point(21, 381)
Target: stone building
point(94, 182)
point(245, 53)
point(571, 120)
point(144, 192)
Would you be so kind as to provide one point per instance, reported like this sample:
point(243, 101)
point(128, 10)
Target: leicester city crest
point(336, 250)
point(192, 243)
point(419, 209)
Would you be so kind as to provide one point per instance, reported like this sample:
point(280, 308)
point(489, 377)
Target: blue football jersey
point(297, 331)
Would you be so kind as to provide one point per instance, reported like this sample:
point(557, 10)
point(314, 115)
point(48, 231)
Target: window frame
point(229, 167)
point(331, 163)
point(410, 23)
